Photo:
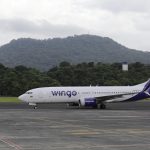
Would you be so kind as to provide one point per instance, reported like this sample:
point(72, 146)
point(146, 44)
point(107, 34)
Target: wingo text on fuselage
point(64, 93)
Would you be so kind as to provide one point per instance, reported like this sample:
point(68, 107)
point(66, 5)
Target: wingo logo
point(64, 93)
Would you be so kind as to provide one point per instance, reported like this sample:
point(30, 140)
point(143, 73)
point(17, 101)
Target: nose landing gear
point(34, 105)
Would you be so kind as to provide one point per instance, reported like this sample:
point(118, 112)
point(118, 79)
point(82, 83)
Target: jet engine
point(88, 102)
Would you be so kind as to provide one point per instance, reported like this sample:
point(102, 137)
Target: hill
point(44, 54)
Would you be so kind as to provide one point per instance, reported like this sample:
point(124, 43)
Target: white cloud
point(116, 6)
point(42, 26)
point(128, 22)
point(40, 29)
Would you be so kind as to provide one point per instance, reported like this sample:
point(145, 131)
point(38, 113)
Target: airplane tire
point(35, 107)
point(80, 106)
point(102, 106)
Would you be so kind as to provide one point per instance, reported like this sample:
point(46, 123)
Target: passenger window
point(29, 93)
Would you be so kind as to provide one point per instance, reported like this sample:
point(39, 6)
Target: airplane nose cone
point(21, 97)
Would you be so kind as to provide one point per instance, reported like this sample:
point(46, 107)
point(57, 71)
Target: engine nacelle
point(89, 102)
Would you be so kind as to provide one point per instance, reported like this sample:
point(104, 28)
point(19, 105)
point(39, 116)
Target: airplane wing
point(115, 98)
point(94, 101)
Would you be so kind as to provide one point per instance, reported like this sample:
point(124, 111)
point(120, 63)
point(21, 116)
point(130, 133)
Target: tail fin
point(146, 89)
point(145, 93)
point(147, 86)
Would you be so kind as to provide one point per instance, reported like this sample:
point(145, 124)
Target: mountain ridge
point(45, 54)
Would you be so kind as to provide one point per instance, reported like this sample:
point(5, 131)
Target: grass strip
point(9, 99)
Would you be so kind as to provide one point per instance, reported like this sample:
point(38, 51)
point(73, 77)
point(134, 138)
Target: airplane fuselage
point(74, 94)
point(93, 96)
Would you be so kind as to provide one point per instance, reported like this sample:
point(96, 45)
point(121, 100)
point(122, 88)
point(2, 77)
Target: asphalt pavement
point(122, 126)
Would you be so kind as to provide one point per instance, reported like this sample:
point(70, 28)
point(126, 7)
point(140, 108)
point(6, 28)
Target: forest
point(15, 81)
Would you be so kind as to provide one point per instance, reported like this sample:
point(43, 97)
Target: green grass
point(9, 99)
point(16, 100)
point(145, 100)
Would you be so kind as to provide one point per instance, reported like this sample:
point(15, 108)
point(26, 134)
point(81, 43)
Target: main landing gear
point(101, 106)
point(97, 106)
point(35, 107)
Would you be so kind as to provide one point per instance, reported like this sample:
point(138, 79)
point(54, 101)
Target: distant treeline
point(15, 81)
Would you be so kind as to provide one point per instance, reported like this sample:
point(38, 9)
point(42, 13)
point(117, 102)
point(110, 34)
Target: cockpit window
point(28, 92)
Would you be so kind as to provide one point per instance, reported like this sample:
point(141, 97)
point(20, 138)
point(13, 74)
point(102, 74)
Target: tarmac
point(122, 126)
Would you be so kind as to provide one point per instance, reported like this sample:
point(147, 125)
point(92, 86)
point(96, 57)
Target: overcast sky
point(126, 21)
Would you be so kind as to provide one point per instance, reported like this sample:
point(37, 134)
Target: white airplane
point(84, 96)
